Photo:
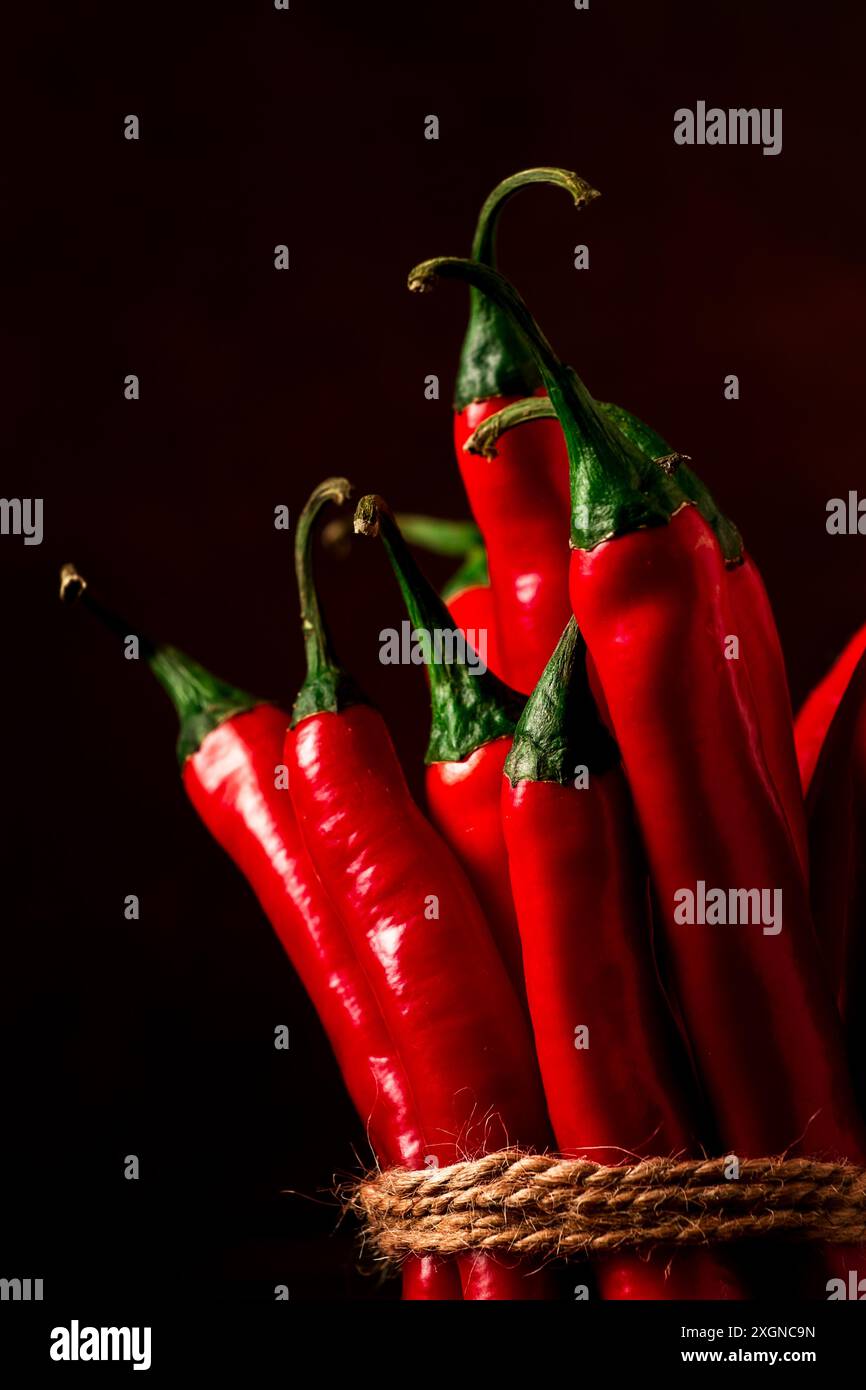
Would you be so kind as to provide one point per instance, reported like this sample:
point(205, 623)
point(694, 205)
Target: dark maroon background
point(156, 257)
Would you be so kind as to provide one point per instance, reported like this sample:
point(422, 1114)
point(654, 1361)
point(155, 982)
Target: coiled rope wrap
point(547, 1207)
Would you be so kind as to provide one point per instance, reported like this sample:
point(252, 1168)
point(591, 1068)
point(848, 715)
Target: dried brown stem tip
point(369, 513)
point(72, 584)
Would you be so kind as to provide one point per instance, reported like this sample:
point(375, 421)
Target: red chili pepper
point(230, 750)
point(614, 1073)
point(837, 837)
point(818, 710)
point(414, 922)
point(473, 719)
point(521, 501)
point(752, 616)
point(649, 591)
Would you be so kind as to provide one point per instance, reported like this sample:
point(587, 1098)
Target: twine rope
point(544, 1206)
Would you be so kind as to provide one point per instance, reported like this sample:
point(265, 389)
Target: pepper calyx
point(203, 702)
point(560, 729)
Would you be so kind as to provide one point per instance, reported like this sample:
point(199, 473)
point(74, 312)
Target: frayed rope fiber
point(547, 1207)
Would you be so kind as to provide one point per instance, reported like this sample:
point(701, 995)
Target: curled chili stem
point(326, 687)
point(74, 588)
point(484, 242)
point(316, 641)
point(495, 359)
point(483, 440)
point(201, 700)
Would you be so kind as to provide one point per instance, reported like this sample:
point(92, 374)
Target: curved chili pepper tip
point(72, 584)
point(337, 490)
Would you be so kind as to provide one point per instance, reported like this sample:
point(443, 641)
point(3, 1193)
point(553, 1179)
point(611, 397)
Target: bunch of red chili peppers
point(550, 957)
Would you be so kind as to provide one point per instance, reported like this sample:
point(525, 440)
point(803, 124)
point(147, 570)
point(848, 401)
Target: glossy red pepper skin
point(649, 593)
point(580, 885)
point(441, 985)
point(837, 830)
point(411, 915)
point(818, 710)
point(463, 800)
point(230, 781)
point(520, 502)
point(754, 624)
point(472, 610)
point(426, 1280)
point(586, 932)
point(764, 662)
point(472, 718)
point(651, 606)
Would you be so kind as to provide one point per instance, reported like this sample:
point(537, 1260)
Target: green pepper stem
point(201, 700)
point(483, 439)
point(484, 241)
point(326, 687)
point(317, 645)
point(468, 707)
point(494, 360)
